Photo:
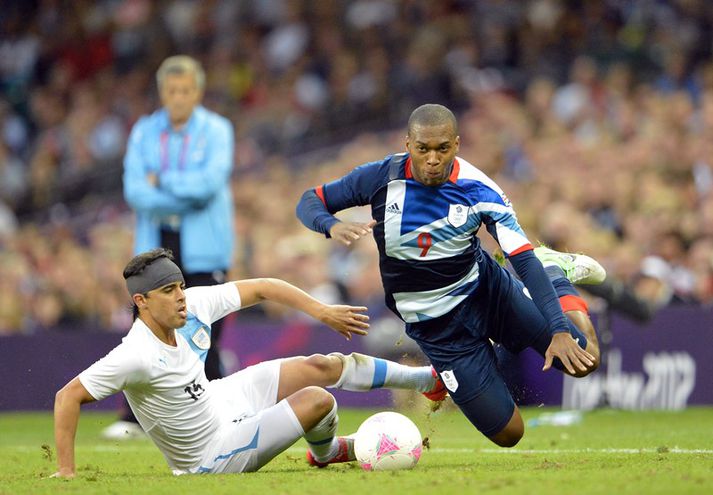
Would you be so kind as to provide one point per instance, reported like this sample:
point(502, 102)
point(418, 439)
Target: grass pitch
point(608, 452)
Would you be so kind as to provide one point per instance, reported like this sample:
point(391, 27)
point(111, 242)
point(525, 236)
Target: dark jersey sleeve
point(530, 271)
point(317, 206)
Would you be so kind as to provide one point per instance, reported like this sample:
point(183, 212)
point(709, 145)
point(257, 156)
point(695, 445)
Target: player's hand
point(346, 320)
point(348, 232)
point(564, 347)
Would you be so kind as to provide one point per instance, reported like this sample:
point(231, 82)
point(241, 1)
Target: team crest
point(457, 215)
point(449, 380)
point(201, 339)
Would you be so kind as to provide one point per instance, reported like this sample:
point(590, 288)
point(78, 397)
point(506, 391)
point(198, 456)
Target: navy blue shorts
point(458, 344)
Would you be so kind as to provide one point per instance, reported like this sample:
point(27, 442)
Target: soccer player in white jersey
point(240, 422)
point(427, 206)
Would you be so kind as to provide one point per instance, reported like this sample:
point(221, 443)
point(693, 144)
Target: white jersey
point(166, 386)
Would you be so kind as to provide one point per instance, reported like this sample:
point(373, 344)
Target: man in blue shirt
point(427, 206)
point(177, 179)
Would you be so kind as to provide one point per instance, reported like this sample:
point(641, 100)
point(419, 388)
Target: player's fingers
point(359, 309)
point(588, 355)
point(361, 317)
point(359, 331)
point(567, 364)
point(342, 237)
point(371, 224)
point(585, 360)
point(579, 363)
point(584, 356)
point(548, 361)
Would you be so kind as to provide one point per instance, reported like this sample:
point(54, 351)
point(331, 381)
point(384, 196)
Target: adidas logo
point(393, 208)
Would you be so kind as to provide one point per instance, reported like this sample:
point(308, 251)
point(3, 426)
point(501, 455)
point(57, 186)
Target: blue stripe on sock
point(379, 373)
point(320, 442)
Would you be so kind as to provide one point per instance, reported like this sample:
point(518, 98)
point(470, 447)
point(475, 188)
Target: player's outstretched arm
point(67, 404)
point(344, 319)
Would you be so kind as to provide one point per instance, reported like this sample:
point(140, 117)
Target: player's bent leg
point(251, 441)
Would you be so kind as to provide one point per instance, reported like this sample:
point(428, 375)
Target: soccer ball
point(387, 441)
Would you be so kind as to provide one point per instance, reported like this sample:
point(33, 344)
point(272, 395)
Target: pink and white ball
point(387, 441)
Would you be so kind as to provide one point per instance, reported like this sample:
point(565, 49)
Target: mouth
point(182, 312)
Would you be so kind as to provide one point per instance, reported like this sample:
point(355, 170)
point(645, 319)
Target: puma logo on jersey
point(394, 209)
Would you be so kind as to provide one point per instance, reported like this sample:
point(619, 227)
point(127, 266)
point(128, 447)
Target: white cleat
point(123, 430)
point(578, 268)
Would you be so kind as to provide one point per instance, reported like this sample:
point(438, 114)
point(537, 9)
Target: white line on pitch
point(437, 450)
point(673, 450)
point(663, 450)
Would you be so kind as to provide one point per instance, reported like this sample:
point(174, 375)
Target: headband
point(160, 272)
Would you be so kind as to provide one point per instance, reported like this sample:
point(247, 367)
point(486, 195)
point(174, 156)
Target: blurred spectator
point(652, 283)
point(176, 179)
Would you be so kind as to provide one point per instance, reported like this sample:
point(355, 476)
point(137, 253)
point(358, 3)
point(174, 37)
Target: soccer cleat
point(578, 268)
point(345, 453)
point(123, 430)
point(438, 392)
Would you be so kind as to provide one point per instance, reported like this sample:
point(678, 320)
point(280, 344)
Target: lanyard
point(164, 151)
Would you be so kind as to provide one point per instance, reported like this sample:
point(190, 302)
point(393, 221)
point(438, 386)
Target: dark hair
point(432, 114)
point(137, 264)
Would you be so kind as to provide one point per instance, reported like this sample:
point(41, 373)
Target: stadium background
point(595, 117)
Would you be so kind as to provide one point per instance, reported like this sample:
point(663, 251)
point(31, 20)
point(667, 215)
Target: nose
point(432, 158)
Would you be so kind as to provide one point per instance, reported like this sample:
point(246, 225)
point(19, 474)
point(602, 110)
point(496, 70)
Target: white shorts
point(254, 429)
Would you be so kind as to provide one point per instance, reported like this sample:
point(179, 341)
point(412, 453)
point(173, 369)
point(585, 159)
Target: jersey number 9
point(424, 241)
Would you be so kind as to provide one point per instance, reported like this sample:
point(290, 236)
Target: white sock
point(322, 438)
point(361, 372)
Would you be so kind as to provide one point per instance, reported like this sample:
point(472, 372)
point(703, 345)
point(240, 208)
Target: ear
point(139, 300)
point(407, 142)
point(457, 143)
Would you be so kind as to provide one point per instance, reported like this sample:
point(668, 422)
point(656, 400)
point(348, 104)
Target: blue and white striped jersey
point(426, 235)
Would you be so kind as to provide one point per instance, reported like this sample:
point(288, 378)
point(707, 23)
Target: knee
point(509, 437)
point(321, 401)
point(512, 433)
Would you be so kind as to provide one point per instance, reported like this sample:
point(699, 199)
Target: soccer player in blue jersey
point(427, 206)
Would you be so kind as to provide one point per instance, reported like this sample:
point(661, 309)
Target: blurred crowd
point(595, 117)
